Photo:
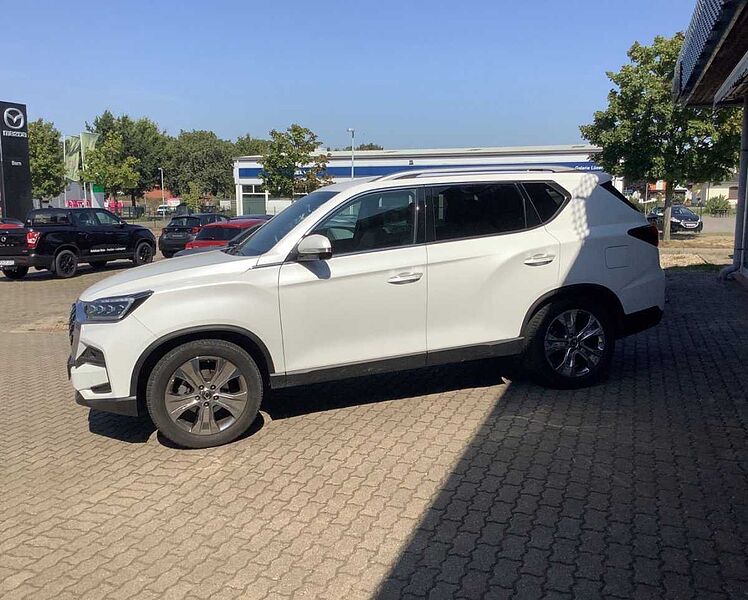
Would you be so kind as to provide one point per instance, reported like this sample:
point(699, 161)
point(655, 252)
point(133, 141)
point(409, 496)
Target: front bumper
point(119, 406)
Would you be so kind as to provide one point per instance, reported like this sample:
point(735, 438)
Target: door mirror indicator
point(314, 247)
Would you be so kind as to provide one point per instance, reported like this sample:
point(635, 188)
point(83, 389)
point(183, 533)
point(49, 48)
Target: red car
point(218, 234)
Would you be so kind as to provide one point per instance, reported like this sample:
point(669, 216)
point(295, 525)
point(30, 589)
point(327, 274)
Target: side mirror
point(313, 247)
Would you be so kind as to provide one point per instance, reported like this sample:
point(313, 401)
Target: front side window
point(106, 218)
point(472, 210)
point(374, 221)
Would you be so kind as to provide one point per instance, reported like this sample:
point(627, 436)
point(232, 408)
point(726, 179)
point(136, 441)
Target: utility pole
point(352, 131)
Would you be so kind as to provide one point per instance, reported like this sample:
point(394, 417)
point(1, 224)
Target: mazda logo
point(13, 118)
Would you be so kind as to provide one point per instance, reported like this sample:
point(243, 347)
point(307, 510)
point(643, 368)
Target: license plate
point(7, 263)
point(178, 235)
point(690, 224)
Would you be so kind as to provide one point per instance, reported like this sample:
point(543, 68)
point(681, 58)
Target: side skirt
point(399, 363)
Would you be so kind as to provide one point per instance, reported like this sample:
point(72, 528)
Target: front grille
point(71, 324)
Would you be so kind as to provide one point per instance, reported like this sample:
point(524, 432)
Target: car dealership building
point(251, 197)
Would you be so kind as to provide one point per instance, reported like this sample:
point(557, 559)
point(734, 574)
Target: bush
point(717, 203)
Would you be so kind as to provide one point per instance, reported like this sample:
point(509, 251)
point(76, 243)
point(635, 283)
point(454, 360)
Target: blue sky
point(404, 74)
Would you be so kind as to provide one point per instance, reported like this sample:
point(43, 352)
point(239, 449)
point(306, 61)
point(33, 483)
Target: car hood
point(689, 218)
point(170, 273)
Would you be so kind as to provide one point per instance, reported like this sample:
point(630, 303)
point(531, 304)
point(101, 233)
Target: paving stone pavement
point(441, 483)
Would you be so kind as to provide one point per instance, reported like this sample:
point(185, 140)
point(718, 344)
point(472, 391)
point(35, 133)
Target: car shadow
point(83, 269)
point(298, 401)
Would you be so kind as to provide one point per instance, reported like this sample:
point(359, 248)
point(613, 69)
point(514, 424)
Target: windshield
point(276, 229)
point(682, 211)
point(184, 222)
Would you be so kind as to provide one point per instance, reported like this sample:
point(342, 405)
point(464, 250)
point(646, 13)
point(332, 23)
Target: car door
point(368, 302)
point(91, 240)
point(487, 263)
point(117, 236)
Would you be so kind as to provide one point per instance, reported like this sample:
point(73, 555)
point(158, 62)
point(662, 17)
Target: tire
point(143, 254)
point(590, 358)
point(15, 272)
point(167, 254)
point(66, 264)
point(98, 264)
point(202, 420)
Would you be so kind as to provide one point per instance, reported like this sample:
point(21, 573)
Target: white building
point(251, 198)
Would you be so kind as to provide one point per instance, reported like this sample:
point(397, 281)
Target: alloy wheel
point(574, 343)
point(206, 395)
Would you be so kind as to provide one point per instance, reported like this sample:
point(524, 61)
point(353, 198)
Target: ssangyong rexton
point(373, 275)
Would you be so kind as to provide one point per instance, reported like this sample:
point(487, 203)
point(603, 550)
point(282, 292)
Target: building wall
point(705, 191)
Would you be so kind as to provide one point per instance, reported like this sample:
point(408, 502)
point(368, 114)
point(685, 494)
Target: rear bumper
point(119, 406)
point(171, 245)
point(29, 260)
point(640, 320)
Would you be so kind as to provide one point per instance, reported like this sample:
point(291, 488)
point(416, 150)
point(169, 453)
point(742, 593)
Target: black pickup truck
point(58, 239)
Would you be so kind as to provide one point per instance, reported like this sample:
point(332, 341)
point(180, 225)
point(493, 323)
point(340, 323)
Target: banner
point(15, 176)
point(73, 158)
point(88, 143)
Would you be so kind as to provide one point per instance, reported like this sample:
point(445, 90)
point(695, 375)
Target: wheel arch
point(243, 338)
point(588, 291)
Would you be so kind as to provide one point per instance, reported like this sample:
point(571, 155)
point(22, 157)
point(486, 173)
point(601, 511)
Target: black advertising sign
point(15, 175)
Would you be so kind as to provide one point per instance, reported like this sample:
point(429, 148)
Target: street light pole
point(162, 186)
point(352, 131)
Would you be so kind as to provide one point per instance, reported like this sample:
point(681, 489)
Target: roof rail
point(530, 168)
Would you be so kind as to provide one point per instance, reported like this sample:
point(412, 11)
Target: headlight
point(113, 309)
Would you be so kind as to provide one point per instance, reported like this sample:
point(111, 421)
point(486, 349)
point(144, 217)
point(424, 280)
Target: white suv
point(373, 275)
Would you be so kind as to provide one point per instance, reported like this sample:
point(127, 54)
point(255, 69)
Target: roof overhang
point(716, 42)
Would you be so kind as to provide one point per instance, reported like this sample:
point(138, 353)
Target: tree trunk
point(668, 210)
point(132, 199)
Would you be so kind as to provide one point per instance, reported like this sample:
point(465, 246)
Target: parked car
point(59, 239)
point(183, 229)
point(218, 234)
point(234, 241)
point(10, 222)
point(681, 219)
point(368, 276)
point(164, 209)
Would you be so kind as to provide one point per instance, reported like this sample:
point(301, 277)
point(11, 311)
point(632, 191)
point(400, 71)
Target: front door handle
point(537, 260)
point(401, 278)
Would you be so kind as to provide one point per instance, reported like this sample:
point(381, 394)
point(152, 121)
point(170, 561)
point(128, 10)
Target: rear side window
point(609, 187)
point(472, 210)
point(49, 217)
point(546, 199)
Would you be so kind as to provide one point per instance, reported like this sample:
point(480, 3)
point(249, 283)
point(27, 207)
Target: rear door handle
point(537, 260)
point(401, 278)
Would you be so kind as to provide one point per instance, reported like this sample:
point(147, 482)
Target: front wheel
point(204, 393)
point(570, 344)
point(15, 272)
point(143, 254)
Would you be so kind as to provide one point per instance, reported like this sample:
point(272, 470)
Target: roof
point(715, 42)
point(457, 152)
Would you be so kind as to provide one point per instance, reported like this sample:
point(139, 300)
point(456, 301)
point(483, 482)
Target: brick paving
point(442, 483)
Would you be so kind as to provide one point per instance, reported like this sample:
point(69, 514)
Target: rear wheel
point(167, 254)
point(204, 393)
point(66, 264)
point(143, 254)
point(570, 343)
point(15, 272)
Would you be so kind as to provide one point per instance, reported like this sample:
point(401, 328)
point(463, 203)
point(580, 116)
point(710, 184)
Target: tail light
point(646, 233)
point(195, 230)
point(32, 238)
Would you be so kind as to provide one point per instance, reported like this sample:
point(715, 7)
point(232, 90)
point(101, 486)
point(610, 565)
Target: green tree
point(246, 145)
point(368, 146)
point(644, 135)
point(106, 167)
point(192, 196)
point(290, 164)
point(203, 158)
point(45, 159)
point(141, 139)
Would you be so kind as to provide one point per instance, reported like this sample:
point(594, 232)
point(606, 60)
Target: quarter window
point(545, 198)
point(464, 211)
point(372, 222)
